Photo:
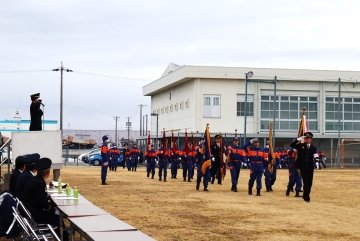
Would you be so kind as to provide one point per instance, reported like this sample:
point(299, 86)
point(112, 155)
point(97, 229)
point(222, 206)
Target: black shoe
point(172, 177)
point(297, 194)
point(165, 179)
point(197, 185)
point(212, 180)
point(288, 192)
point(184, 179)
point(205, 189)
point(292, 189)
point(258, 192)
point(235, 188)
point(271, 189)
point(175, 177)
point(189, 180)
point(250, 190)
point(268, 189)
point(160, 179)
point(148, 174)
point(152, 176)
point(232, 188)
point(104, 183)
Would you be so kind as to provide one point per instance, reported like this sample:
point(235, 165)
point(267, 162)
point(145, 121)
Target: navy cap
point(217, 135)
point(202, 137)
point(37, 95)
point(135, 143)
point(256, 140)
point(267, 143)
point(105, 137)
point(236, 138)
point(152, 144)
point(308, 134)
point(43, 164)
point(31, 159)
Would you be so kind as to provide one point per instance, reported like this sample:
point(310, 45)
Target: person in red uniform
point(105, 159)
point(134, 155)
point(257, 157)
point(237, 156)
point(114, 156)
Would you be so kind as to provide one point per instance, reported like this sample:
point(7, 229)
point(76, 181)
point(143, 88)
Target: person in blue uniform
point(19, 168)
point(151, 158)
point(237, 155)
point(200, 159)
point(163, 157)
point(270, 178)
point(257, 158)
point(36, 199)
point(26, 175)
point(175, 159)
point(35, 113)
point(105, 156)
point(304, 161)
point(216, 160)
point(134, 156)
point(294, 177)
point(114, 156)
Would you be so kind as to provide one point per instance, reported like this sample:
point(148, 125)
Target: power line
point(23, 71)
point(112, 77)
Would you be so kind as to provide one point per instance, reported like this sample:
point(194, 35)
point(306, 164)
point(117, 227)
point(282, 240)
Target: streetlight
point(61, 93)
point(157, 126)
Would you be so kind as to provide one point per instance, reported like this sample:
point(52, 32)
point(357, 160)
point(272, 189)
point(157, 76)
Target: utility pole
point(143, 126)
point(338, 150)
point(128, 127)
point(141, 106)
point(146, 123)
point(116, 118)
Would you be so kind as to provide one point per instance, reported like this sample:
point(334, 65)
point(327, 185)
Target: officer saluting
point(304, 161)
point(35, 113)
point(105, 159)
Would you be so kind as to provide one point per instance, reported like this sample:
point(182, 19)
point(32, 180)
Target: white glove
point(264, 171)
point(138, 158)
point(213, 158)
point(229, 151)
point(324, 158)
point(179, 158)
point(316, 155)
point(161, 152)
point(252, 140)
point(267, 159)
point(301, 138)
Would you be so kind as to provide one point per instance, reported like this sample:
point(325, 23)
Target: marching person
point(163, 156)
point(126, 153)
point(36, 198)
point(35, 113)
point(304, 161)
point(187, 163)
point(25, 176)
point(175, 159)
point(257, 157)
point(200, 159)
point(215, 164)
point(19, 168)
point(237, 156)
point(134, 156)
point(105, 159)
point(294, 177)
point(270, 178)
point(151, 161)
point(322, 158)
point(114, 157)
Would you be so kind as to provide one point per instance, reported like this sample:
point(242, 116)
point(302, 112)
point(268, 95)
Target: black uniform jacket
point(36, 114)
point(36, 200)
point(216, 152)
point(305, 156)
point(21, 182)
point(13, 179)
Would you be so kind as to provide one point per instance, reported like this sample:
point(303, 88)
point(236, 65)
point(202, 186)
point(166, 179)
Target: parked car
point(96, 159)
point(84, 158)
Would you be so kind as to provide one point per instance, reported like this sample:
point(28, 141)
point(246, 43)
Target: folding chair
point(39, 227)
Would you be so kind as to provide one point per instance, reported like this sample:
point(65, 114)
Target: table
point(100, 223)
point(81, 210)
point(67, 202)
point(119, 235)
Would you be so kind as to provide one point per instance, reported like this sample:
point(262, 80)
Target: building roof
point(176, 74)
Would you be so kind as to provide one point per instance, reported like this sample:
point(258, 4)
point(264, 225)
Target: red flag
point(186, 144)
point(173, 143)
point(148, 145)
point(164, 141)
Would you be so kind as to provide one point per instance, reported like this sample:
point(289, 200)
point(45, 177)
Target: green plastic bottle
point(59, 186)
point(76, 192)
point(68, 190)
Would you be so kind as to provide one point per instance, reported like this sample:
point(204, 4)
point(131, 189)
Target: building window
point(212, 106)
point(288, 112)
point(240, 107)
point(349, 114)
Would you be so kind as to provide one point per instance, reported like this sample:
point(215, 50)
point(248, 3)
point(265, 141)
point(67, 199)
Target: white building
point(192, 96)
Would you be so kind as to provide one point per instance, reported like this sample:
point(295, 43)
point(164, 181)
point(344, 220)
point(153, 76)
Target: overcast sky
point(136, 40)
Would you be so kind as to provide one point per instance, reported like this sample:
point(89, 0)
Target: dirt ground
point(175, 211)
